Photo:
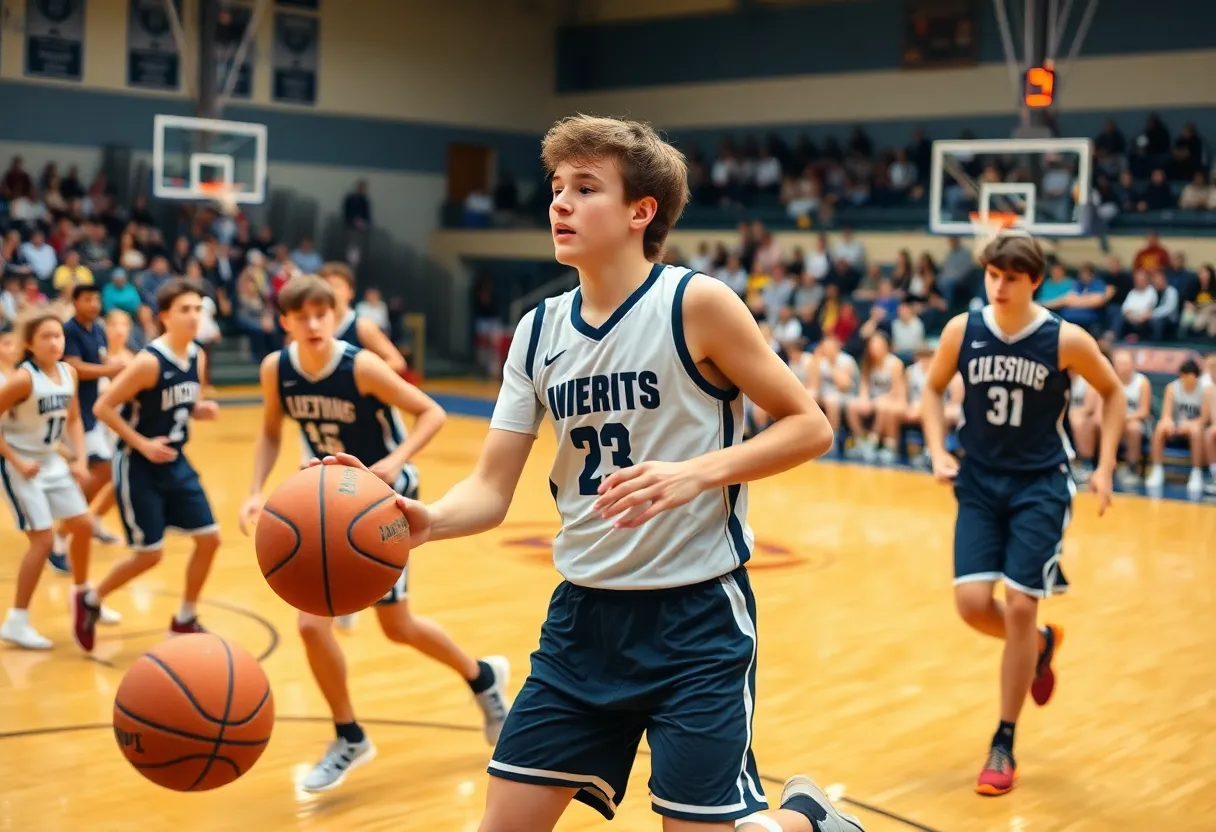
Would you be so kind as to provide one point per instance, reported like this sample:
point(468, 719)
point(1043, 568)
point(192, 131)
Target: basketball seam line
point(329, 601)
point(350, 531)
point(295, 550)
point(219, 737)
point(173, 677)
point(186, 759)
point(177, 732)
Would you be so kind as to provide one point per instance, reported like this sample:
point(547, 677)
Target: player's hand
point(25, 467)
point(1168, 427)
point(386, 470)
point(417, 516)
point(1100, 485)
point(645, 490)
point(158, 450)
point(945, 467)
point(80, 470)
point(114, 366)
point(248, 518)
point(206, 410)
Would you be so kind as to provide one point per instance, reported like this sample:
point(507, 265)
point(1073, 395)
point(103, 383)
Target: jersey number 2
point(1006, 406)
point(612, 435)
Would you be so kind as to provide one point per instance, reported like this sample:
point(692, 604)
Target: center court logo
point(534, 542)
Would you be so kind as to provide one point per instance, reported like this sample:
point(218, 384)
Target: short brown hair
point(304, 289)
point(649, 166)
point(1015, 251)
point(337, 269)
point(31, 325)
point(173, 289)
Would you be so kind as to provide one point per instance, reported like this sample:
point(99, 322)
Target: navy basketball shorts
point(1010, 527)
point(678, 665)
point(154, 498)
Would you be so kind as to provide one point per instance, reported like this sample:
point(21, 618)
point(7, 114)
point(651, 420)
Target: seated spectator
point(887, 299)
point(818, 262)
point(39, 256)
point(32, 292)
point(12, 262)
point(1085, 419)
point(778, 292)
point(1178, 275)
point(253, 317)
point(702, 261)
point(1153, 256)
point(1054, 291)
point(1138, 307)
point(956, 269)
point(1181, 423)
point(1164, 322)
point(119, 293)
point(1157, 196)
point(94, 248)
point(130, 257)
point(849, 256)
point(867, 289)
point(907, 330)
point(1197, 194)
point(71, 273)
point(924, 295)
point(374, 309)
point(1198, 310)
point(12, 299)
point(833, 378)
point(181, 255)
point(1138, 424)
point(734, 275)
point(1084, 305)
point(876, 414)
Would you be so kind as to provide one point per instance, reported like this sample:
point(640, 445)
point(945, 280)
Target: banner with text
point(54, 39)
point(296, 58)
point(153, 62)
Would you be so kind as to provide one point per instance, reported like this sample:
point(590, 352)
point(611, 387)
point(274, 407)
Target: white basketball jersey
point(1188, 404)
point(882, 378)
point(1080, 388)
point(1133, 389)
point(620, 394)
point(34, 426)
point(916, 377)
point(827, 374)
point(801, 366)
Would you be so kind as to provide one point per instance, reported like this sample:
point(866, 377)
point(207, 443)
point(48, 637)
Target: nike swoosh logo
point(978, 345)
point(549, 359)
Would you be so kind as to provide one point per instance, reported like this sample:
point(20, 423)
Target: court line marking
point(441, 726)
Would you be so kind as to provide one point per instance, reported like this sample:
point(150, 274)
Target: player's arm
point(1080, 353)
point(375, 378)
point(204, 409)
point(374, 339)
point(269, 442)
point(1167, 409)
point(899, 384)
point(942, 371)
point(75, 429)
point(138, 376)
point(16, 389)
point(720, 330)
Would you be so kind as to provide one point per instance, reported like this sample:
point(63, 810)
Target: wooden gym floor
point(867, 680)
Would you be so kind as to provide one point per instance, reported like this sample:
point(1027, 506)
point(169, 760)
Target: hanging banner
point(153, 62)
point(296, 58)
point(54, 39)
point(229, 31)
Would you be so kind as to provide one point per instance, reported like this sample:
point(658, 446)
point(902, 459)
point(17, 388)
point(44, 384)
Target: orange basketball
point(194, 713)
point(331, 540)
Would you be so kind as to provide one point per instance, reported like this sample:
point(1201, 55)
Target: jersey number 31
point(613, 436)
point(1006, 406)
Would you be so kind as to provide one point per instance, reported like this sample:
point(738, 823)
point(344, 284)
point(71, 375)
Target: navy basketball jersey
point(348, 329)
point(334, 417)
point(89, 345)
point(1015, 396)
point(164, 409)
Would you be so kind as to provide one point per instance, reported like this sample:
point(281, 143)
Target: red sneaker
point(185, 628)
point(1044, 683)
point(1000, 773)
point(84, 620)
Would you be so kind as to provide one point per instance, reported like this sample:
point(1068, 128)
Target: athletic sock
point(484, 680)
point(350, 731)
point(19, 616)
point(808, 808)
point(1003, 738)
point(186, 613)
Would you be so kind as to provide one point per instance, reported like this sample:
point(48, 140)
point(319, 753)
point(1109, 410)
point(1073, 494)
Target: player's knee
point(1021, 610)
point(400, 629)
point(42, 541)
point(80, 525)
point(147, 560)
point(207, 543)
point(314, 627)
point(973, 601)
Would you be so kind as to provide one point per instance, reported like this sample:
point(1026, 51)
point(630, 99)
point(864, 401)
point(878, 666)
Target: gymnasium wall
point(825, 66)
point(397, 81)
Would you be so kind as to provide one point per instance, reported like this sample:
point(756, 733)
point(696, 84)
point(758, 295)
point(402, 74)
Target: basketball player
point(86, 351)
point(156, 486)
point(880, 402)
point(1181, 422)
point(38, 403)
point(642, 369)
point(362, 333)
point(1084, 419)
point(834, 379)
point(1013, 485)
point(1138, 422)
point(345, 401)
point(915, 378)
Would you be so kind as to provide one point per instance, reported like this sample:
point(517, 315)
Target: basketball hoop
point(222, 196)
point(987, 228)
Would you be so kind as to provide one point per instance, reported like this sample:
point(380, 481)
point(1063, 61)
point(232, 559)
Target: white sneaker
point(340, 759)
point(109, 616)
point(24, 635)
point(1194, 485)
point(493, 702)
point(887, 456)
point(1155, 480)
point(1128, 478)
point(833, 819)
point(346, 622)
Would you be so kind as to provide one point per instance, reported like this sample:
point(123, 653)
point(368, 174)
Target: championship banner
point(153, 62)
point(296, 58)
point(54, 39)
point(229, 32)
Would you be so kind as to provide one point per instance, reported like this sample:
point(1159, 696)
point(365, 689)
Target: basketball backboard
point(191, 157)
point(1043, 182)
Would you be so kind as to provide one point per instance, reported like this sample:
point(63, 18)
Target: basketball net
point(222, 196)
point(986, 229)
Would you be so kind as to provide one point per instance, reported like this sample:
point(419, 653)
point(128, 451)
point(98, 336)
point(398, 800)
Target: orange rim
point(218, 188)
point(1001, 219)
